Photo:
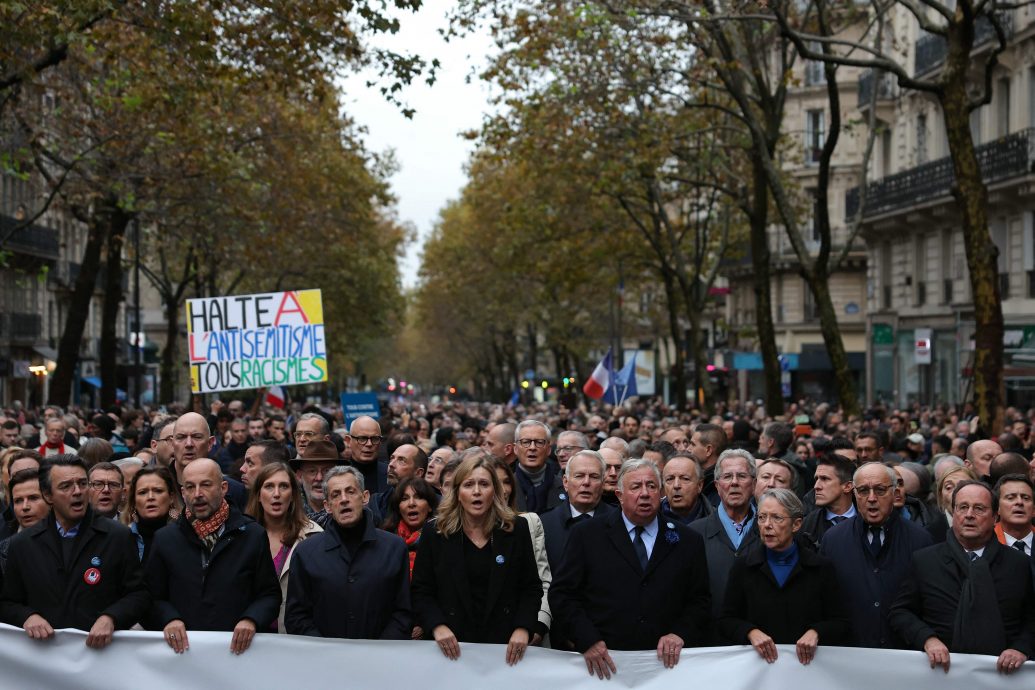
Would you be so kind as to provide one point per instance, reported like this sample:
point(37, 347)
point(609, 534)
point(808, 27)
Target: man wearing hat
point(310, 466)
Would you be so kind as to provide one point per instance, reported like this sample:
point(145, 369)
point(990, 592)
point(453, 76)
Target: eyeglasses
point(305, 434)
point(878, 490)
point(101, 486)
point(367, 440)
point(730, 476)
point(978, 510)
point(164, 440)
point(569, 449)
point(182, 438)
point(66, 486)
point(763, 518)
point(529, 442)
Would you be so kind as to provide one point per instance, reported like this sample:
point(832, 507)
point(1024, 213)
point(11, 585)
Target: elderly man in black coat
point(211, 569)
point(969, 594)
point(632, 580)
point(352, 580)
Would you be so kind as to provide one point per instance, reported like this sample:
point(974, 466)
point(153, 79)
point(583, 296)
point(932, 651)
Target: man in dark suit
point(630, 580)
point(833, 493)
point(731, 530)
point(870, 574)
point(969, 594)
point(536, 477)
point(583, 485)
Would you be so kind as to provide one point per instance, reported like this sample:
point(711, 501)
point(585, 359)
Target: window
point(1000, 237)
point(1002, 114)
point(975, 126)
point(812, 233)
point(1028, 242)
point(885, 151)
point(1031, 96)
point(920, 270)
point(885, 274)
point(814, 73)
point(809, 302)
point(815, 135)
point(921, 138)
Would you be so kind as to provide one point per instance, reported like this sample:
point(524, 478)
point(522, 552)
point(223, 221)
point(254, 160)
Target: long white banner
point(142, 660)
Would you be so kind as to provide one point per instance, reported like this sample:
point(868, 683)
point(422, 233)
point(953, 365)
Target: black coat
point(332, 595)
point(870, 585)
point(440, 587)
point(238, 582)
point(557, 524)
point(721, 554)
point(928, 599)
point(601, 593)
point(104, 552)
point(809, 599)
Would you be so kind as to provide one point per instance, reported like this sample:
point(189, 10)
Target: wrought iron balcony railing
point(931, 49)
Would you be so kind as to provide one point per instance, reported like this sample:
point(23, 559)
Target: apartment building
point(919, 312)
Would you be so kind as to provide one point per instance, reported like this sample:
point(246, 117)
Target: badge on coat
point(92, 576)
point(500, 559)
point(96, 561)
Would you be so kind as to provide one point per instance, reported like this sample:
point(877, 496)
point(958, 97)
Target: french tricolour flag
point(601, 378)
point(275, 396)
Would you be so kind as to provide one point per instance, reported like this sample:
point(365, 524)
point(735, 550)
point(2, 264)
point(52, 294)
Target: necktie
point(874, 540)
point(1019, 545)
point(973, 556)
point(838, 519)
point(640, 547)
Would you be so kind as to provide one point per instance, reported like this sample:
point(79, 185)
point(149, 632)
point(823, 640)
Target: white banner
point(142, 660)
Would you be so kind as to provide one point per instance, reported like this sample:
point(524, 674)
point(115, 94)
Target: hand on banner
point(446, 641)
point(937, 653)
point(669, 648)
point(516, 646)
point(101, 632)
point(763, 644)
point(37, 627)
point(598, 661)
point(244, 632)
point(176, 636)
point(417, 633)
point(807, 646)
point(1010, 660)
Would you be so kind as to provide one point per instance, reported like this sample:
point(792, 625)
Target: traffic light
point(544, 384)
point(524, 384)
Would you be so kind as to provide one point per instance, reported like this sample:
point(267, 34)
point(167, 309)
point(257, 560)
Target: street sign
point(355, 405)
point(922, 340)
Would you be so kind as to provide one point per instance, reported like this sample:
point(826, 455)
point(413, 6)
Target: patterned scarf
point(412, 538)
point(207, 530)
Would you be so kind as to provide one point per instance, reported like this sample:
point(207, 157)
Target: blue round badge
point(500, 559)
point(95, 561)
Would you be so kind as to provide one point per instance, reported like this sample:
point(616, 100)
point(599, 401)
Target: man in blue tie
point(632, 579)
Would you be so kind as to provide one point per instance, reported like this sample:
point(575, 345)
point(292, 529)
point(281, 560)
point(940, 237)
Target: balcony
point(1002, 159)
point(885, 83)
point(34, 240)
point(21, 327)
point(931, 49)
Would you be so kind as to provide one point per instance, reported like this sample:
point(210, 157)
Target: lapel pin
point(500, 559)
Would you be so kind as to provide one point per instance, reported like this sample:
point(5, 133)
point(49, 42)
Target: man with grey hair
point(536, 479)
point(630, 580)
point(731, 530)
point(871, 553)
point(568, 444)
point(583, 486)
point(310, 427)
point(374, 563)
point(683, 479)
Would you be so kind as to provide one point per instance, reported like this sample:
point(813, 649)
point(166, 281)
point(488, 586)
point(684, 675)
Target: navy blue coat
point(332, 595)
point(239, 580)
point(870, 586)
point(557, 524)
point(600, 592)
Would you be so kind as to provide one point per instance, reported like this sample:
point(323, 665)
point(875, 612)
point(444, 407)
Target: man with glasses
point(969, 594)
point(73, 569)
point(106, 486)
point(365, 439)
point(535, 480)
point(310, 427)
point(731, 531)
point(871, 553)
point(568, 444)
point(162, 440)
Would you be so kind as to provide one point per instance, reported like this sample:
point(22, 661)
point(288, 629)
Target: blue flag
point(514, 399)
point(624, 383)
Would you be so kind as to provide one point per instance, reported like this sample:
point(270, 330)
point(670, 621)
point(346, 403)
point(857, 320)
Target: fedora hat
point(318, 451)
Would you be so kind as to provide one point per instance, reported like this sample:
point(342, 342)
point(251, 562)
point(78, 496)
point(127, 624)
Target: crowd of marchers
point(583, 529)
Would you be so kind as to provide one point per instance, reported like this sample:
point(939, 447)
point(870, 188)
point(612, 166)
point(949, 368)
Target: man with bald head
point(499, 443)
point(211, 569)
point(192, 440)
point(979, 456)
point(365, 439)
point(407, 461)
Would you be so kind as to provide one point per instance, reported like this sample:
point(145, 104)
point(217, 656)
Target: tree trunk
point(117, 223)
point(679, 366)
point(79, 306)
point(844, 382)
point(760, 261)
point(169, 366)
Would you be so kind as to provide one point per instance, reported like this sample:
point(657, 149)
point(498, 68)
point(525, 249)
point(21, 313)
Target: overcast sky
point(428, 147)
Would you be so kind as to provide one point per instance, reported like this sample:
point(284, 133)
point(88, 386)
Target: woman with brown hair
point(276, 503)
point(475, 577)
point(151, 505)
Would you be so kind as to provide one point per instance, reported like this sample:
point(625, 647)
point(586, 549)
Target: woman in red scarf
point(411, 504)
